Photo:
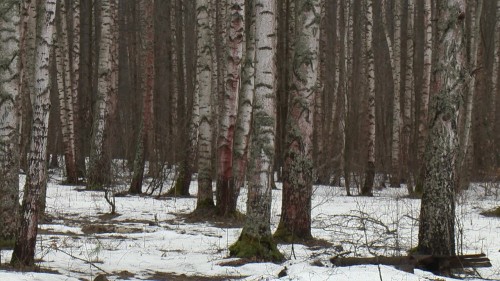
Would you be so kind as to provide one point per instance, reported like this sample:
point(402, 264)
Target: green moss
point(7, 243)
point(492, 213)
point(263, 248)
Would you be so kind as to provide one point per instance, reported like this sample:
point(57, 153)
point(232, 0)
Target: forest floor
point(152, 238)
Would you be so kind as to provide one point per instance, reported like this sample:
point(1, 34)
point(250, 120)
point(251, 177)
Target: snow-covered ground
point(150, 240)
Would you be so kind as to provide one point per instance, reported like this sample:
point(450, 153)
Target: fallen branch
point(436, 264)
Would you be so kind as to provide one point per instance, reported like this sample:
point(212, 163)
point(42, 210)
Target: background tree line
point(341, 90)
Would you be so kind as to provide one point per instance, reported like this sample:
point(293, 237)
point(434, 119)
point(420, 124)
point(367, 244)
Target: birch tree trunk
point(204, 82)
point(65, 85)
point(395, 62)
point(9, 103)
point(255, 240)
point(26, 76)
point(226, 195)
point(437, 213)
point(465, 138)
point(298, 169)
point(245, 103)
point(408, 98)
point(147, 72)
point(424, 97)
point(100, 158)
point(36, 178)
point(367, 189)
point(189, 155)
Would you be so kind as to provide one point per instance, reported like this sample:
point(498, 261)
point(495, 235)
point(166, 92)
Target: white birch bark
point(99, 164)
point(66, 88)
point(9, 97)
point(245, 103)
point(36, 178)
point(204, 70)
point(437, 214)
point(408, 97)
point(256, 232)
point(426, 82)
point(395, 62)
point(465, 137)
point(367, 188)
point(226, 196)
point(298, 169)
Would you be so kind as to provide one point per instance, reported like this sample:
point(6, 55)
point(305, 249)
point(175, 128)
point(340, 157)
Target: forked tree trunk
point(100, 157)
point(147, 71)
point(255, 240)
point(226, 195)
point(9, 150)
point(437, 214)
point(367, 189)
point(36, 178)
point(204, 85)
point(298, 169)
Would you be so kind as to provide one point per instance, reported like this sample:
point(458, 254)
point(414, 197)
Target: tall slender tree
point(424, 95)
point(255, 239)
point(298, 169)
point(100, 158)
point(367, 189)
point(204, 72)
point(437, 215)
point(65, 86)
point(245, 103)
point(36, 178)
point(226, 195)
point(496, 83)
point(9, 99)
point(147, 62)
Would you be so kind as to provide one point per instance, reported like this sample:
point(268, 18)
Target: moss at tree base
point(263, 248)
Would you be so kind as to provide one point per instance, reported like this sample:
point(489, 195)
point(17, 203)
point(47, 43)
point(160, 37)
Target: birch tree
point(66, 87)
point(437, 214)
point(367, 189)
point(26, 75)
point(472, 63)
point(394, 46)
point(100, 158)
point(147, 62)
point(36, 178)
point(255, 240)
point(424, 97)
point(245, 103)
point(204, 82)
point(298, 168)
point(226, 193)
point(9, 98)
point(408, 97)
